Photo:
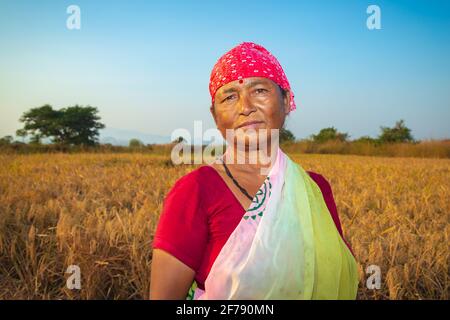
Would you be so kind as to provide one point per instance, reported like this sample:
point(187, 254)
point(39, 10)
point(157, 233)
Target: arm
point(179, 241)
point(170, 278)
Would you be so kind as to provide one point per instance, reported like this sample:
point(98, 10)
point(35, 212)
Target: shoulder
point(321, 181)
point(200, 176)
point(189, 195)
point(195, 183)
point(188, 200)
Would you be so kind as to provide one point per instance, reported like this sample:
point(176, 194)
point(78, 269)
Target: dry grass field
point(99, 211)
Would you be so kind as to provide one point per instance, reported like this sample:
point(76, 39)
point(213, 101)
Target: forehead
point(247, 82)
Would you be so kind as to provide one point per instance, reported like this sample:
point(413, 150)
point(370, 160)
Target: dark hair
point(283, 92)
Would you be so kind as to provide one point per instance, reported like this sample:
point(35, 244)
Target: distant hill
point(116, 137)
point(121, 137)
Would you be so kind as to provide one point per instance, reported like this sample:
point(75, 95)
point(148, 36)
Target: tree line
point(80, 125)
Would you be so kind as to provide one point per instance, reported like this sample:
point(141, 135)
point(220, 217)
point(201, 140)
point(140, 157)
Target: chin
point(250, 142)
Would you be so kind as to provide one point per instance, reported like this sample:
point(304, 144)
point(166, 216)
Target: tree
point(180, 139)
point(366, 139)
point(286, 136)
point(76, 125)
point(399, 133)
point(329, 133)
point(6, 140)
point(135, 143)
point(21, 133)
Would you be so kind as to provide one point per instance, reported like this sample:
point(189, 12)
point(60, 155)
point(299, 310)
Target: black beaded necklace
point(235, 182)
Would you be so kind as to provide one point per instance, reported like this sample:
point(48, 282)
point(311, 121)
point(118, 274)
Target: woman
point(263, 229)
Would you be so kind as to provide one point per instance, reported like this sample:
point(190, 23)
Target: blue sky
point(146, 64)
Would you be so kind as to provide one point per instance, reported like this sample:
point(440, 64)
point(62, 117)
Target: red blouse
point(199, 214)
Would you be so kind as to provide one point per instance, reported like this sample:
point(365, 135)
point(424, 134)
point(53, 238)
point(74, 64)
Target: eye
point(261, 90)
point(229, 98)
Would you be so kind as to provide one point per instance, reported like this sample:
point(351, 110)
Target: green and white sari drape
point(285, 247)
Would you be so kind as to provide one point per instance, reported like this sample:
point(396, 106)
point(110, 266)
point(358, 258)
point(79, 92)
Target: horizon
point(146, 66)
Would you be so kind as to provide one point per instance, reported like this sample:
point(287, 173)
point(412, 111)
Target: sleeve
point(182, 229)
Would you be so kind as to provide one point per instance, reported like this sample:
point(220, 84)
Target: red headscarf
point(246, 60)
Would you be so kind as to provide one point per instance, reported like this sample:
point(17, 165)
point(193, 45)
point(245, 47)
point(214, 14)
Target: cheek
point(274, 117)
point(225, 120)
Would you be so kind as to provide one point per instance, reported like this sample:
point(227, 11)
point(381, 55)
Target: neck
point(251, 160)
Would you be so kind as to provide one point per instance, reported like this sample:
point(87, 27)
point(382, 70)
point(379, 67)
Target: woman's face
point(248, 105)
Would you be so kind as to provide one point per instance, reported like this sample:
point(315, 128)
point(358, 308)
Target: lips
point(249, 124)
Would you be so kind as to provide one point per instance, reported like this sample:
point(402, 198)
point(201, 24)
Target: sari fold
point(285, 247)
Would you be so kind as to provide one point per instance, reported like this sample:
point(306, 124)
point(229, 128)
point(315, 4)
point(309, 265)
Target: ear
point(287, 102)
point(213, 113)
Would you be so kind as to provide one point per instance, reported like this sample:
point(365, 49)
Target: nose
point(246, 105)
